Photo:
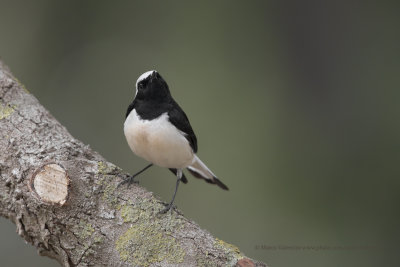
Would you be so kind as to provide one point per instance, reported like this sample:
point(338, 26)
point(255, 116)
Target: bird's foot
point(130, 180)
point(167, 208)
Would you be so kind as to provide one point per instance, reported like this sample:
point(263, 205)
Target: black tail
point(215, 180)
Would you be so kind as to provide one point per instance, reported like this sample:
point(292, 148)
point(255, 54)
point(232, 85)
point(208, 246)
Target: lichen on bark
point(6, 111)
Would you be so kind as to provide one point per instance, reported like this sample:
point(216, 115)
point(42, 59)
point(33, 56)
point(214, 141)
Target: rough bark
point(97, 225)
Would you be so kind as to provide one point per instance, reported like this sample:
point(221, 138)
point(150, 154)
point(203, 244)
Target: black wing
point(179, 119)
point(183, 178)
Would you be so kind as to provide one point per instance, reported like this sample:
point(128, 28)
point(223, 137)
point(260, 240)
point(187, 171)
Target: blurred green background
point(295, 105)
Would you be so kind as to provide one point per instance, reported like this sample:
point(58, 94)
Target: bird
point(158, 130)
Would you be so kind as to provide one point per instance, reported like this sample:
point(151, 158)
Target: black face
point(153, 88)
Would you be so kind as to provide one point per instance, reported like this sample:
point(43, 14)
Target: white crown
point(144, 76)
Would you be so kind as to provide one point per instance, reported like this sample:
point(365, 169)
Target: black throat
point(150, 109)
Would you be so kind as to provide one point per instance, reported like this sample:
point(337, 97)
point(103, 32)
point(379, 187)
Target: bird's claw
point(168, 207)
point(130, 180)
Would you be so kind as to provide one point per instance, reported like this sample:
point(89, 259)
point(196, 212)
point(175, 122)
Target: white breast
point(158, 141)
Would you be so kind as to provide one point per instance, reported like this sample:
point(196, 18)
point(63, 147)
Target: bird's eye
point(140, 86)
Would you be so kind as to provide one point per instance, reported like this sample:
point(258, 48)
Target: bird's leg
point(131, 179)
point(171, 204)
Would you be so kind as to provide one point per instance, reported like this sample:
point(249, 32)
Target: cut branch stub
point(50, 183)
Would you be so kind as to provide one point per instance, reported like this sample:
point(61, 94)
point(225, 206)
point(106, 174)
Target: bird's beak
point(154, 75)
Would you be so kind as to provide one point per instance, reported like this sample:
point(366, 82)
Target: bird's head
point(151, 86)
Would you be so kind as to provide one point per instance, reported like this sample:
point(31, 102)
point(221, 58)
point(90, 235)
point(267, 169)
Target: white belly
point(158, 141)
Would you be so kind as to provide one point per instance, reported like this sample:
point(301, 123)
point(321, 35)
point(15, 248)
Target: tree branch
point(62, 197)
